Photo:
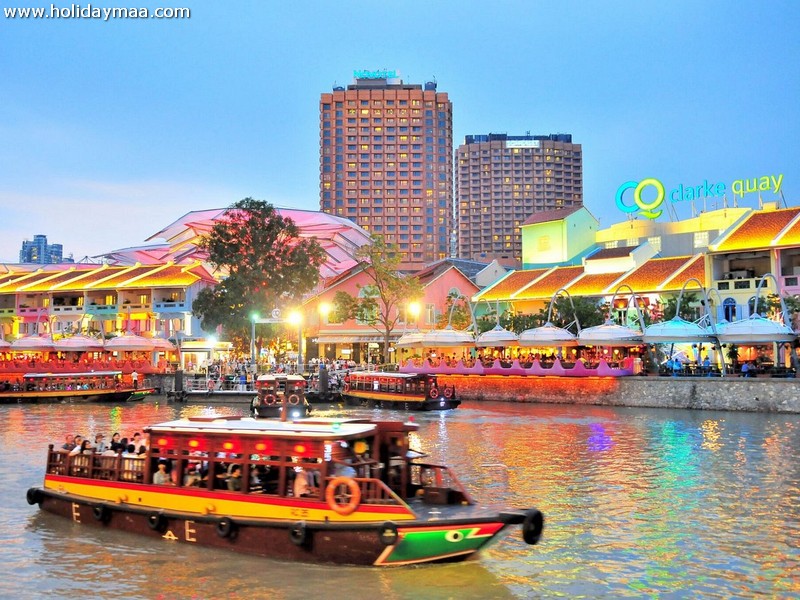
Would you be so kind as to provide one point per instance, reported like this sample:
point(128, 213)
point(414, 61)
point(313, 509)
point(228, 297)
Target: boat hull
point(383, 543)
point(110, 395)
point(407, 402)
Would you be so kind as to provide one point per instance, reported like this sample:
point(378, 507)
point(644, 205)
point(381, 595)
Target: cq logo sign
point(647, 209)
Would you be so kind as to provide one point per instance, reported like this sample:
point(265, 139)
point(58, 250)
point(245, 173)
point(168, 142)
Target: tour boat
point(317, 490)
point(404, 390)
point(92, 386)
point(279, 394)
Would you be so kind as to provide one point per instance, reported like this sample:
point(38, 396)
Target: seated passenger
point(192, 477)
point(161, 477)
point(235, 480)
point(302, 487)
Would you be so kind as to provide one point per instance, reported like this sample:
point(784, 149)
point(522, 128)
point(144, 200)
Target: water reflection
point(638, 502)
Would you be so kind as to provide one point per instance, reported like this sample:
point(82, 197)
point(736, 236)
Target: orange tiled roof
point(513, 282)
point(654, 273)
point(551, 283)
point(20, 279)
point(759, 230)
point(171, 275)
point(791, 236)
point(49, 279)
point(593, 285)
point(696, 268)
point(118, 277)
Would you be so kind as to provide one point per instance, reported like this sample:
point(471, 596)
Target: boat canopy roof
point(261, 427)
point(71, 375)
point(395, 374)
point(275, 376)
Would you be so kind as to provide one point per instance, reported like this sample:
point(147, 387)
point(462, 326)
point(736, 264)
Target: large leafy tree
point(263, 263)
point(381, 302)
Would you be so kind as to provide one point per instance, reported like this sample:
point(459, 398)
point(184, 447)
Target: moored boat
point(92, 386)
point(349, 492)
point(415, 391)
point(279, 395)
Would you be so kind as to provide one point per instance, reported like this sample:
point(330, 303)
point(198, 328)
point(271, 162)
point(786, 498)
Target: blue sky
point(111, 130)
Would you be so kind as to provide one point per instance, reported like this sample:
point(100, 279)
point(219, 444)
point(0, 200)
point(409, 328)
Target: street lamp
point(296, 318)
point(253, 319)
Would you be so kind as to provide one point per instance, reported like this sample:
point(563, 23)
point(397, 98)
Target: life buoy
point(448, 392)
point(156, 521)
point(298, 533)
point(225, 527)
point(101, 513)
point(434, 393)
point(346, 387)
point(294, 400)
point(269, 399)
point(343, 503)
point(388, 534)
point(532, 526)
point(34, 496)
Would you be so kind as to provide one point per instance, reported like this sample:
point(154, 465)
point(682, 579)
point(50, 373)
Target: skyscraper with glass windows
point(40, 252)
point(386, 152)
point(501, 180)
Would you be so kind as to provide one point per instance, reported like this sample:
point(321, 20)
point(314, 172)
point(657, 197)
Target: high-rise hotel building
point(386, 162)
point(501, 180)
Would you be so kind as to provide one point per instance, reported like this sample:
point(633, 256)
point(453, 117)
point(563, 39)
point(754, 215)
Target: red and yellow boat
point(91, 386)
point(410, 391)
point(349, 492)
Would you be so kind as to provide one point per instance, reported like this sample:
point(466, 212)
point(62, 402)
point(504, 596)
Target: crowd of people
point(135, 445)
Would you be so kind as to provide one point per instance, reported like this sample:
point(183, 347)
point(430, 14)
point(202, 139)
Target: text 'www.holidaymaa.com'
point(88, 11)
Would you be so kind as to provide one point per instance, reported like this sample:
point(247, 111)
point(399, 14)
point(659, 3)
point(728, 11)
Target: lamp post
point(296, 318)
point(253, 319)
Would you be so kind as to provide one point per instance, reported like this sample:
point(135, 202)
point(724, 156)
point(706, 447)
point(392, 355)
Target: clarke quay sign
point(682, 193)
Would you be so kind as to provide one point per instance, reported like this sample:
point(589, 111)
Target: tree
point(380, 302)
point(264, 264)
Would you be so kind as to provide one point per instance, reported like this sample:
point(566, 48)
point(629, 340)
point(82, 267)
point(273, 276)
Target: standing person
point(135, 379)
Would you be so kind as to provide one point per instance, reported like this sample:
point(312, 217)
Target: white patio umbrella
point(79, 343)
point(756, 330)
point(130, 343)
point(677, 330)
point(609, 334)
point(412, 339)
point(497, 337)
point(33, 342)
point(447, 337)
point(547, 335)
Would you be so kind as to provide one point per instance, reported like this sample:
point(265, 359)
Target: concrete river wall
point(728, 393)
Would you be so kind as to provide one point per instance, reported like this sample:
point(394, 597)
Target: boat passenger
point(116, 443)
point(235, 480)
point(161, 477)
point(69, 443)
point(84, 448)
point(100, 445)
point(192, 476)
point(302, 486)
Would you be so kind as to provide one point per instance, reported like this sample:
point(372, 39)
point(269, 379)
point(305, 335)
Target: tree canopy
point(381, 302)
point(263, 263)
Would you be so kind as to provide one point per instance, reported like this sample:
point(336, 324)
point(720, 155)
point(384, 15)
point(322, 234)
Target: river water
point(638, 503)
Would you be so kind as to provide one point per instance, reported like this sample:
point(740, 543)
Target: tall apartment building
point(501, 180)
point(40, 252)
point(386, 162)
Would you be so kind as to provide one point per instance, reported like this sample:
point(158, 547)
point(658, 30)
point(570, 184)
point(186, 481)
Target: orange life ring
point(448, 392)
point(294, 400)
point(352, 496)
point(346, 387)
point(434, 393)
point(269, 399)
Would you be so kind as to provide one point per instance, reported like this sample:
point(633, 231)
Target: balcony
point(67, 310)
point(101, 309)
point(170, 306)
